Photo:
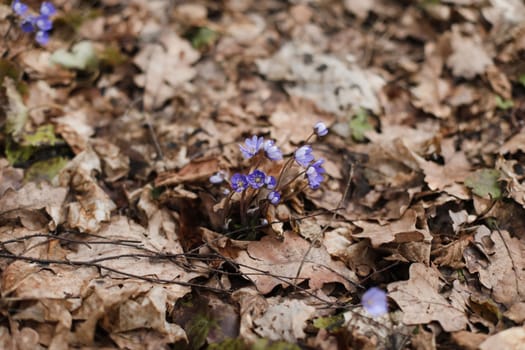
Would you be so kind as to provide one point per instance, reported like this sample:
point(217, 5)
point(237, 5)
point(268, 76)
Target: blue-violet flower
point(321, 129)
point(253, 146)
point(47, 9)
point(274, 197)
point(28, 24)
point(272, 151)
point(256, 179)
point(270, 182)
point(303, 155)
point(314, 174)
point(239, 182)
point(218, 177)
point(19, 7)
point(374, 301)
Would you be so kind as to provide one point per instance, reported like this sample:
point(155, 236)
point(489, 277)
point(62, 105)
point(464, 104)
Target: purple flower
point(314, 174)
point(47, 9)
point(274, 197)
point(320, 129)
point(272, 151)
point(42, 37)
point(253, 146)
point(43, 23)
point(303, 155)
point(19, 7)
point(256, 179)
point(374, 301)
point(28, 24)
point(239, 182)
point(218, 177)
point(270, 182)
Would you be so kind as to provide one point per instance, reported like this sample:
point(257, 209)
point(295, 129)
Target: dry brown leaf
point(511, 339)
point(337, 88)
point(421, 302)
point(166, 64)
point(93, 205)
point(447, 177)
point(400, 231)
point(468, 340)
point(270, 256)
point(469, 58)
point(505, 273)
point(284, 319)
point(32, 197)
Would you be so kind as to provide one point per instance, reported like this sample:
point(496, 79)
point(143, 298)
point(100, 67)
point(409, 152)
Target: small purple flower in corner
point(303, 155)
point(274, 197)
point(252, 146)
point(239, 182)
point(375, 302)
point(320, 129)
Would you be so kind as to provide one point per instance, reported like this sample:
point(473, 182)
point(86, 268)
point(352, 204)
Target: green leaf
point(229, 344)
point(43, 135)
point(331, 323)
point(265, 344)
point(521, 79)
point(203, 38)
point(82, 57)
point(112, 56)
point(484, 183)
point(360, 124)
point(45, 169)
point(504, 104)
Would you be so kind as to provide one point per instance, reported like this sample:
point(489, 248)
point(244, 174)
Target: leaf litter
point(113, 237)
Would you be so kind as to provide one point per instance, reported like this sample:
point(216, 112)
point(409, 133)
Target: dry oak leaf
point(505, 273)
point(166, 64)
point(400, 231)
point(447, 177)
point(509, 339)
point(34, 196)
point(284, 319)
point(431, 91)
point(268, 257)
point(469, 57)
point(421, 302)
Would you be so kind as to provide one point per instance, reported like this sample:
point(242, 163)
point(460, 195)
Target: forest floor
point(113, 236)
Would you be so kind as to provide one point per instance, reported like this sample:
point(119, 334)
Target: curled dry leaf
point(93, 205)
point(270, 262)
point(421, 302)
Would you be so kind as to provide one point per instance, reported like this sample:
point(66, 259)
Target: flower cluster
point(258, 187)
point(40, 24)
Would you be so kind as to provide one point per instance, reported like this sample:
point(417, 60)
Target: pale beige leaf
point(283, 259)
point(284, 319)
point(421, 302)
